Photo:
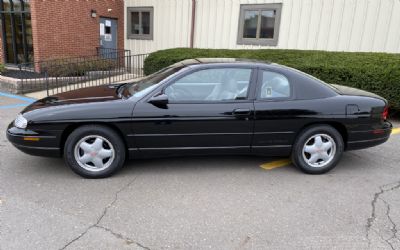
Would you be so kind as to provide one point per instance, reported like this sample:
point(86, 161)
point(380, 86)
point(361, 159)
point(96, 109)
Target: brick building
point(37, 30)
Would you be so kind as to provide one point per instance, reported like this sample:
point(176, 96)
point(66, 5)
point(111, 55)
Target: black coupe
point(203, 107)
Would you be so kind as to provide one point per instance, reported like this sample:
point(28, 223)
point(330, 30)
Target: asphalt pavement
point(237, 202)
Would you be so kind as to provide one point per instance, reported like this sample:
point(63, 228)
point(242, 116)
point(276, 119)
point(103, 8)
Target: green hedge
point(375, 72)
point(65, 68)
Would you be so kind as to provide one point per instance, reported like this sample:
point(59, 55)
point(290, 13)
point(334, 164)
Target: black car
point(203, 107)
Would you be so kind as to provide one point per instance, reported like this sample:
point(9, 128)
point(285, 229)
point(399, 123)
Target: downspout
point(193, 23)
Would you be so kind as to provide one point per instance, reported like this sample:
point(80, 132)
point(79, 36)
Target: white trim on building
point(333, 25)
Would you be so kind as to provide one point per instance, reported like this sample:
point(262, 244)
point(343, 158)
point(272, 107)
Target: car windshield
point(143, 86)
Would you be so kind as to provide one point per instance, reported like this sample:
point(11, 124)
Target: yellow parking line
point(395, 131)
point(275, 164)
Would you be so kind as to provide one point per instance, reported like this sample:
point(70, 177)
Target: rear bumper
point(369, 138)
point(353, 145)
point(33, 143)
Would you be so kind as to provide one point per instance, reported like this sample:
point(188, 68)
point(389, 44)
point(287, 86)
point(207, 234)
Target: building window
point(16, 31)
point(259, 24)
point(140, 23)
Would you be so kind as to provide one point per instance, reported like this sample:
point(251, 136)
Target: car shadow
point(183, 164)
point(200, 163)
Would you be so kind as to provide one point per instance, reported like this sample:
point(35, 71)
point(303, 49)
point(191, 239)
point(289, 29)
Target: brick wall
point(65, 28)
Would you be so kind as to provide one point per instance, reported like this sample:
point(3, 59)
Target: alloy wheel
point(94, 153)
point(319, 150)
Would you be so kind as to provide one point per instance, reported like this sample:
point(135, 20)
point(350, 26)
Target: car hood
point(88, 104)
point(79, 96)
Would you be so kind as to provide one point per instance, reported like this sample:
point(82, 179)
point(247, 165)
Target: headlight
point(20, 122)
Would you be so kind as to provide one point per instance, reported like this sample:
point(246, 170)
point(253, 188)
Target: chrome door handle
point(241, 112)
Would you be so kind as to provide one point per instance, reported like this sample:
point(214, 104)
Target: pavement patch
point(275, 164)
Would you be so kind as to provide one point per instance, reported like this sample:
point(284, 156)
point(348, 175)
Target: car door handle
point(241, 112)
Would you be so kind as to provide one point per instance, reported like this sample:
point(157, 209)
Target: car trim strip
point(369, 131)
point(190, 148)
point(371, 140)
point(188, 134)
point(34, 136)
point(30, 147)
point(196, 148)
point(277, 132)
point(200, 134)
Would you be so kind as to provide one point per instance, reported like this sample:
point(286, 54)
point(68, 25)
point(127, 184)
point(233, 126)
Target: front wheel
point(318, 149)
point(94, 151)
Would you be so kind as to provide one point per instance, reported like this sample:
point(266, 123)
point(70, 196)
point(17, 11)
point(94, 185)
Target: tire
point(94, 151)
point(314, 156)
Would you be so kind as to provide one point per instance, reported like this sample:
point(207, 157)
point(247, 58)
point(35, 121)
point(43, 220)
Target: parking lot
point(238, 202)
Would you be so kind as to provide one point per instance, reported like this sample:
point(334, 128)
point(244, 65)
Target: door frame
point(14, 14)
point(139, 151)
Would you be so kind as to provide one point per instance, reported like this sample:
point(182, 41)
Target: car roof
point(204, 61)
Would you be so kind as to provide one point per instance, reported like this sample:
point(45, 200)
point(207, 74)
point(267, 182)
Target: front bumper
point(34, 143)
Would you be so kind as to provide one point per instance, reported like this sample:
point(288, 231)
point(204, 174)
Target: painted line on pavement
point(14, 105)
point(275, 164)
point(22, 98)
point(26, 100)
point(395, 131)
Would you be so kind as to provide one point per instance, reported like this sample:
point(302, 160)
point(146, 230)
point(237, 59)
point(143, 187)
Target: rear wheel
point(318, 149)
point(94, 151)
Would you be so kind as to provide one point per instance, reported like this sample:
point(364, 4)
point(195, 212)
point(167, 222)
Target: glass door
point(16, 31)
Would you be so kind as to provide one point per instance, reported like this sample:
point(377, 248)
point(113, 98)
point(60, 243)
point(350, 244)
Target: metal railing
point(107, 66)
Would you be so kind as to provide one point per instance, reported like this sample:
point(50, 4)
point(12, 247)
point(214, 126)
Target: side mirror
point(159, 100)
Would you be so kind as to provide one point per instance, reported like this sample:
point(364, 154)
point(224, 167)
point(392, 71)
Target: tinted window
point(250, 24)
point(267, 24)
point(135, 24)
point(222, 84)
point(274, 85)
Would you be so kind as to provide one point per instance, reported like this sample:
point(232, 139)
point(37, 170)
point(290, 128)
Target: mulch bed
point(22, 74)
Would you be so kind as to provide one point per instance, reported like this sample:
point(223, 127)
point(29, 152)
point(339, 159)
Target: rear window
point(274, 86)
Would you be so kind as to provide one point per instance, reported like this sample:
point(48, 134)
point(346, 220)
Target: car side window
point(218, 84)
point(274, 86)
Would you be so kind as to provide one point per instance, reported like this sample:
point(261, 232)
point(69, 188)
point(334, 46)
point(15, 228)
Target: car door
point(209, 110)
point(274, 114)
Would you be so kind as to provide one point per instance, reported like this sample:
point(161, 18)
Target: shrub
point(2, 68)
point(375, 72)
point(64, 67)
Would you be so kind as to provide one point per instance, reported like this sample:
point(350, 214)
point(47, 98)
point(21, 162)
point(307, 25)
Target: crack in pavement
point(382, 189)
point(393, 228)
point(96, 225)
point(120, 236)
point(243, 243)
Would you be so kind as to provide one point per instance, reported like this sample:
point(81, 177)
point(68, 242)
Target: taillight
point(385, 113)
